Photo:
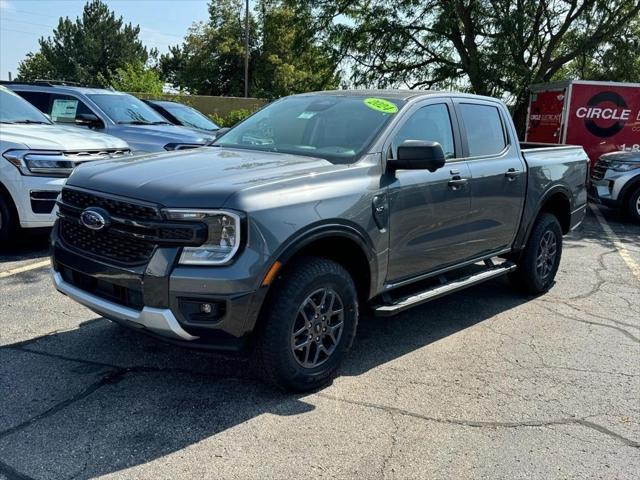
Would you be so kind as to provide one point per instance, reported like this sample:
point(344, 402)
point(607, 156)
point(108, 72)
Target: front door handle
point(512, 173)
point(457, 182)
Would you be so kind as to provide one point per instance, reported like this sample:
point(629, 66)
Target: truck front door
point(429, 211)
point(498, 173)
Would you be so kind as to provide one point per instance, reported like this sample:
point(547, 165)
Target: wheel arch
point(628, 190)
point(342, 242)
point(557, 202)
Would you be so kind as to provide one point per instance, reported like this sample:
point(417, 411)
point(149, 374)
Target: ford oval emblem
point(95, 218)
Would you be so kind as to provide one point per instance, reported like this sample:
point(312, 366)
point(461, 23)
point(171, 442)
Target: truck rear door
point(498, 173)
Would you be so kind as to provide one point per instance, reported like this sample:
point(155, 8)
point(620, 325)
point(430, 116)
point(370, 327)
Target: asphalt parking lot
point(481, 384)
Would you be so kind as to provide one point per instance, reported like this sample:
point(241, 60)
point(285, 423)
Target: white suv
point(37, 157)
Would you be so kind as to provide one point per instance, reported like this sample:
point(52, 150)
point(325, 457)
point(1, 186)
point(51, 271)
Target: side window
point(65, 108)
point(484, 129)
point(39, 100)
point(431, 123)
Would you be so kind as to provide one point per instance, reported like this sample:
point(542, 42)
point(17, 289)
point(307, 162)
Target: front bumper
point(152, 298)
point(160, 321)
point(609, 189)
point(34, 197)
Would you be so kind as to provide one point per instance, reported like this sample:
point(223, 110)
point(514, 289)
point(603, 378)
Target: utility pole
point(246, 49)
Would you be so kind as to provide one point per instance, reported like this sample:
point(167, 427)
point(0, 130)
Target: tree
point(291, 58)
point(285, 54)
point(211, 59)
point(618, 59)
point(491, 47)
point(136, 77)
point(88, 50)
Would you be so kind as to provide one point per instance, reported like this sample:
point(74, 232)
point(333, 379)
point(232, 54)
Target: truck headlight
point(40, 163)
point(223, 239)
point(623, 166)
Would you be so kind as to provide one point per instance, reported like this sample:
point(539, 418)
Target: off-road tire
point(530, 276)
point(275, 355)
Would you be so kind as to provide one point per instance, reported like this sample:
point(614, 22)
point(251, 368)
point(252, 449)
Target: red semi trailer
point(600, 116)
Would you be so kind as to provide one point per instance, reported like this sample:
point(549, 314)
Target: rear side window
point(484, 128)
point(40, 100)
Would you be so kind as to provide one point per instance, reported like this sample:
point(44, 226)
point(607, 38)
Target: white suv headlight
point(223, 239)
point(42, 163)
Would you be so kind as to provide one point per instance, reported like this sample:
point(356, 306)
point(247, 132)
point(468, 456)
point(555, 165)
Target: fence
point(210, 105)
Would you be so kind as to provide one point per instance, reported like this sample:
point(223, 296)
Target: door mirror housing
point(220, 132)
point(418, 155)
point(88, 120)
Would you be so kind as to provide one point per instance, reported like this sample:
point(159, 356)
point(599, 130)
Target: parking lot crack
point(597, 324)
point(10, 473)
point(491, 424)
point(109, 378)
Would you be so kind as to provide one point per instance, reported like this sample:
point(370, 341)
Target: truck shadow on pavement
point(99, 399)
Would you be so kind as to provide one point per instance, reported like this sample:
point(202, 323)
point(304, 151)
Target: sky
point(23, 22)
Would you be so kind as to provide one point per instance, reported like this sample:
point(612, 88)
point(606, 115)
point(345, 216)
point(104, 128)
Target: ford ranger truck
point(317, 206)
point(36, 156)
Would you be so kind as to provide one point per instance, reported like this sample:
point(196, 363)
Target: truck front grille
point(599, 169)
point(134, 211)
point(117, 248)
point(134, 232)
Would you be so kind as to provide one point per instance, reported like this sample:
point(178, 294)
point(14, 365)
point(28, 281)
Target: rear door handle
point(512, 173)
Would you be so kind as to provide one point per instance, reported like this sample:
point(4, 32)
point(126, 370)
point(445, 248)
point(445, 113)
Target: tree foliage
point(88, 50)
point(211, 59)
point(492, 47)
point(285, 54)
point(136, 77)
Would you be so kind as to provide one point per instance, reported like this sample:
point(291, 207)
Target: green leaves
point(88, 50)
point(286, 55)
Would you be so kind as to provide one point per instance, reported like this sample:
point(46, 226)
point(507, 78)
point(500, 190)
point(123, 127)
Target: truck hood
point(57, 137)
point(200, 178)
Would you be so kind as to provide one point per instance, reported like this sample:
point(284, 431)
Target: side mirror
point(418, 155)
point(88, 120)
point(220, 132)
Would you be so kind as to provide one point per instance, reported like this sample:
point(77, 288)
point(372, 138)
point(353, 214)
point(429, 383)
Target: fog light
point(206, 308)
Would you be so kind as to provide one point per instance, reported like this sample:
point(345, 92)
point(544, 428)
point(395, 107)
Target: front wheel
point(538, 265)
point(633, 205)
point(8, 221)
point(310, 324)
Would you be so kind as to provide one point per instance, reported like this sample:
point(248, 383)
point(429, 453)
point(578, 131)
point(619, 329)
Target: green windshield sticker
point(381, 105)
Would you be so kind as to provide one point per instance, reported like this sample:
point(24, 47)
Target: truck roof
point(399, 94)
point(61, 87)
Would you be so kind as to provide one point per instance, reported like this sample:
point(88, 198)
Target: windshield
point(127, 109)
point(190, 117)
point(15, 109)
point(336, 128)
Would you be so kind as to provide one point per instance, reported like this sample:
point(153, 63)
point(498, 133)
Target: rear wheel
point(538, 265)
point(633, 205)
point(310, 324)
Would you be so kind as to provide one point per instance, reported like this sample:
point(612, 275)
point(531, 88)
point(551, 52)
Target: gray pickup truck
point(273, 240)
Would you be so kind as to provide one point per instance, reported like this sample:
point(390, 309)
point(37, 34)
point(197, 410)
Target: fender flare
point(558, 188)
point(330, 229)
